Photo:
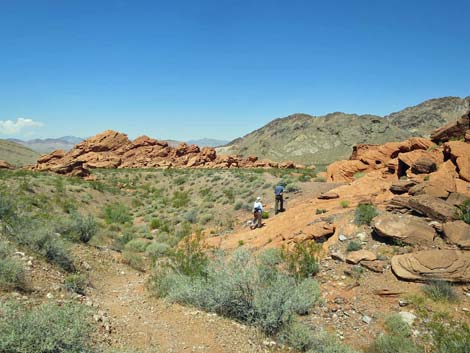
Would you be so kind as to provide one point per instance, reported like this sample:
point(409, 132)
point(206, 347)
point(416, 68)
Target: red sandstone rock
point(453, 130)
point(6, 165)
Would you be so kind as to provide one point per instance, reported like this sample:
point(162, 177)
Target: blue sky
point(220, 68)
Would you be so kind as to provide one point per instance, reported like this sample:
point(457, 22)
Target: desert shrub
point(134, 260)
point(157, 250)
point(12, 272)
point(319, 179)
point(265, 215)
point(206, 218)
point(45, 329)
point(76, 283)
point(240, 288)
point(463, 211)
point(353, 246)
point(191, 216)
point(397, 338)
point(344, 203)
point(304, 178)
point(358, 175)
point(8, 210)
point(320, 211)
point(439, 291)
point(180, 199)
point(229, 194)
point(292, 188)
point(450, 338)
point(137, 245)
point(238, 205)
point(364, 214)
point(181, 180)
point(302, 260)
point(84, 227)
point(117, 213)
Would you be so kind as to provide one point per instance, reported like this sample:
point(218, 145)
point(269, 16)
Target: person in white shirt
point(257, 214)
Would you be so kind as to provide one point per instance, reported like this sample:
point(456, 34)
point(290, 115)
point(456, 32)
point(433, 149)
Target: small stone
point(49, 296)
point(362, 236)
point(407, 317)
point(366, 319)
point(342, 237)
point(403, 303)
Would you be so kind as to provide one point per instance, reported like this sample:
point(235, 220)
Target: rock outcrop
point(447, 265)
point(6, 165)
point(458, 233)
point(404, 228)
point(112, 149)
point(453, 130)
point(459, 153)
point(432, 207)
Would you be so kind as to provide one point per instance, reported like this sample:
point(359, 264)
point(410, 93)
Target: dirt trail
point(143, 323)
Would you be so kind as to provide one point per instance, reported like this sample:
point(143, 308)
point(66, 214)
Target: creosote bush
point(364, 214)
point(12, 272)
point(463, 211)
point(76, 283)
point(44, 329)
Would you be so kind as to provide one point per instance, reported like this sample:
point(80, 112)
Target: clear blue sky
point(219, 68)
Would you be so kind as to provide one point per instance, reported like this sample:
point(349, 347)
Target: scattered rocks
point(447, 265)
point(328, 195)
point(377, 266)
point(423, 165)
point(366, 319)
point(404, 228)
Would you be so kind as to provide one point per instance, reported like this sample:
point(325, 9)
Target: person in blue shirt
point(279, 198)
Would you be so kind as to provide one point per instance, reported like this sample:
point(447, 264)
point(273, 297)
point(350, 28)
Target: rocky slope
point(321, 140)
point(17, 154)
point(111, 149)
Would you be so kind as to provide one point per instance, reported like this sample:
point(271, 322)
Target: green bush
point(180, 199)
point(364, 214)
point(158, 250)
point(240, 288)
point(84, 227)
point(344, 203)
point(302, 260)
point(45, 329)
point(137, 245)
point(397, 338)
point(238, 205)
point(117, 213)
point(353, 246)
point(265, 215)
point(134, 260)
point(8, 210)
point(76, 283)
point(12, 272)
point(463, 211)
point(450, 337)
point(440, 291)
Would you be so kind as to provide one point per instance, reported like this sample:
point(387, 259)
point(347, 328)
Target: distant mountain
point(50, 144)
point(321, 140)
point(17, 154)
point(205, 142)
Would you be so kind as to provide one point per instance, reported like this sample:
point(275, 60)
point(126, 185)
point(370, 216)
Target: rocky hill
point(17, 154)
point(321, 140)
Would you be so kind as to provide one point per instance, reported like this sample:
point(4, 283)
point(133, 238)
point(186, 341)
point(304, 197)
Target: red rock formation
point(5, 165)
point(453, 130)
point(111, 149)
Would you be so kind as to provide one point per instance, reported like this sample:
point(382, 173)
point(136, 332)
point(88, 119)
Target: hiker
point(257, 214)
point(279, 202)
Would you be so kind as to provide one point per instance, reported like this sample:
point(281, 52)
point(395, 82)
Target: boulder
point(342, 171)
point(440, 184)
point(432, 207)
point(402, 186)
point(5, 165)
point(456, 198)
point(374, 266)
point(319, 232)
point(423, 165)
point(404, 228)
point(453, 130)
point(458, 233)
point(446, 265)
point(355, 257)
point(459, 153)
point(330, 195)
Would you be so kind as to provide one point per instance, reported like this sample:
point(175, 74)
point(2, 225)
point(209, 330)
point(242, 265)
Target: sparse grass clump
point(344, 203)
point(353, 246)
point(463, 211)
point(84, 227)
point(45, 329)
point(364, 214)
point(76, 283)
point(117, 213)
point(440, 291)
point(134, 260)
